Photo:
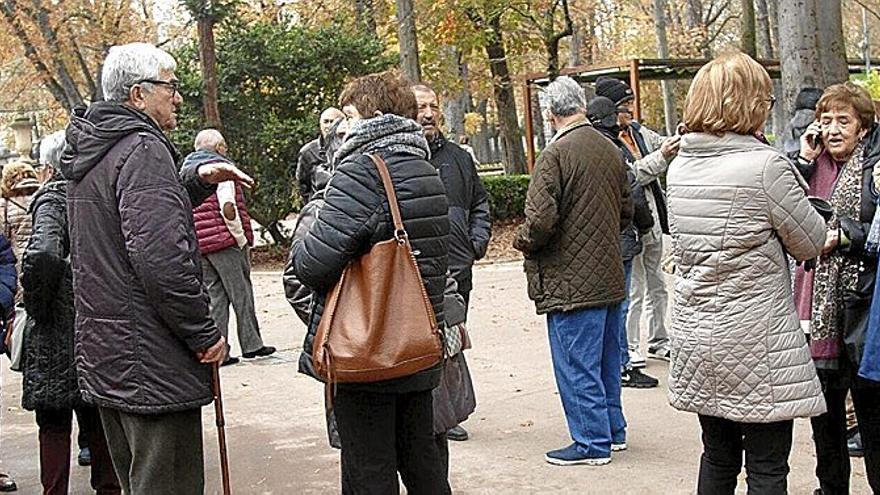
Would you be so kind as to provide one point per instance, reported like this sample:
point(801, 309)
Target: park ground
point(278, 444)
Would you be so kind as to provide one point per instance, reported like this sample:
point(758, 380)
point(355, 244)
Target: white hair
point(565, 97)
point(51, 147)
point(127, 65)
point(208, 140)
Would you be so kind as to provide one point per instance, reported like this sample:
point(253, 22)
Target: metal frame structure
point(635, 71)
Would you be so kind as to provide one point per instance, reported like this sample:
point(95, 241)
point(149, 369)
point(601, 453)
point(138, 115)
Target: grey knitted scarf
point(386, 133)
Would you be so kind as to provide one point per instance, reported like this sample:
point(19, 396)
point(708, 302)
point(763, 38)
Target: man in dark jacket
point(577, 204)
point(602, 113)
point(314, 154)
point(652, 157)
point(145, 341)
point(469, 232)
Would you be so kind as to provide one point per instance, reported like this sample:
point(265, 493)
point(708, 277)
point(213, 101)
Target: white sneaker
point(618, 447)
point(636, 359)
point(661, 352)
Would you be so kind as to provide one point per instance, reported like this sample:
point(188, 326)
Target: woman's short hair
point(845, 95)
point(51, 148)
point(127, 65)
point(729, 94)
point(385, 92)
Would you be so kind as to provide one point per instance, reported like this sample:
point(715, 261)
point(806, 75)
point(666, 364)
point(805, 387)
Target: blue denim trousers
point(624, 310)
point(585, 347)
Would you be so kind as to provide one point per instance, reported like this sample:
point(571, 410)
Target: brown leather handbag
point(378, 323)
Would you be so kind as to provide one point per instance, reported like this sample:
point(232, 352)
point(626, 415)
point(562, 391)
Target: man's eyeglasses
point(173, 84)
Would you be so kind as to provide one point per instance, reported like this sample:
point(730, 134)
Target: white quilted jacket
point(736, 206)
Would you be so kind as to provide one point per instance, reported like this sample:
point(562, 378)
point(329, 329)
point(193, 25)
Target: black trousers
point(766, 446)
point(386, 433)
point(829, 430)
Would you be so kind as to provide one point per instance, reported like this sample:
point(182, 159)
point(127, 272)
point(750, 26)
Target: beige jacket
point(736, 206)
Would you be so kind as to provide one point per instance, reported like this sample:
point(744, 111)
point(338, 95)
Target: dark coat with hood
point(49, 375)
point(857, 302)
point(469, 225)
point(355, 216)
point(141, 306)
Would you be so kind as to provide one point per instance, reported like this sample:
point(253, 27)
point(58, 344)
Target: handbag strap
point(399, 231)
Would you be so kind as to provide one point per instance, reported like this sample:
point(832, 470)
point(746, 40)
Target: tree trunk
point(480, 142)
point(811, 52)
point(577, 41)
point(829, 39)
point(538, 122)
point(208, 61)
point(663, 52)
point(409, 46)
point(365, 17)
point(502, 89)
point(763, 40)
point(747, 28)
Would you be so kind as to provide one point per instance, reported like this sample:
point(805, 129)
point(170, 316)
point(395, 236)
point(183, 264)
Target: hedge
point(507, 195)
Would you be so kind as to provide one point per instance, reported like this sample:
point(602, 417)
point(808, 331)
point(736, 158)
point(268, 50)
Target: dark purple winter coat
point(141, 307)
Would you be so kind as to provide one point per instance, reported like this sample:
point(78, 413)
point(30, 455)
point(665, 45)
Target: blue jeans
point(585, 347)
point(624, 310)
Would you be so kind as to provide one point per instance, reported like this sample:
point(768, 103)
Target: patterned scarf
point(836, 273)
point(386, 133)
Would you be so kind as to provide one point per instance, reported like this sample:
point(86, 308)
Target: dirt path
point(278, 442)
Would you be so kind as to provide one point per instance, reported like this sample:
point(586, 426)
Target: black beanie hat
point(614, 89)
point(807, 99)
point(602, 112)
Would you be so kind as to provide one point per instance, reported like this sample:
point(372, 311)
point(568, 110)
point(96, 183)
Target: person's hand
point(7, 342)
point(813, 135)
point(832, 239)
point(217, 172)
point(670, 146)
point(214, 354)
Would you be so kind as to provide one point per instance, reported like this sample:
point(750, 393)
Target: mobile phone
point(814, 140)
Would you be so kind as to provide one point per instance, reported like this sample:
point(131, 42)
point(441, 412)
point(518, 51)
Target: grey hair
point(208, 140)
point(127, 65)
point(565, 97)
point(51, 148)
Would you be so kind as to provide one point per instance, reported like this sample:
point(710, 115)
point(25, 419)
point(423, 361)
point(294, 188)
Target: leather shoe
point(7, 484)
point(266, 350)
point(230, 360)
point(457, 434)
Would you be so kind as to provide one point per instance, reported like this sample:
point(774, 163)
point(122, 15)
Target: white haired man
point(145, 341)
point(574, 266)
point(223, 228)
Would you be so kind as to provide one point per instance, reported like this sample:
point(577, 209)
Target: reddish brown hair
point(385, 92)
point(848, 95)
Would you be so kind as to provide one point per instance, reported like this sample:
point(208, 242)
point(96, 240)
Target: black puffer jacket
point(49, 375)
point(355, 216)
point(469, 225)
point(141, 306)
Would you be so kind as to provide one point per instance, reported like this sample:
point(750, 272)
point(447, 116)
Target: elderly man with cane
point(145, 338)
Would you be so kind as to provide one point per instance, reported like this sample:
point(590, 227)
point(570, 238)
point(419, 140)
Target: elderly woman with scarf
point(838, 154)
point(384, 427)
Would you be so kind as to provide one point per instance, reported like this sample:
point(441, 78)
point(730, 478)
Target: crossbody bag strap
point(399, 231)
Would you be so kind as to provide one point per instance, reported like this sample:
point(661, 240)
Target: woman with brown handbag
point(385, 426)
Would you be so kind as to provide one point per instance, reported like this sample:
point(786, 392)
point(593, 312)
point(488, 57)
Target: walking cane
point(221, 423)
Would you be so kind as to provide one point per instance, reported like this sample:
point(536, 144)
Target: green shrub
point(507, 195)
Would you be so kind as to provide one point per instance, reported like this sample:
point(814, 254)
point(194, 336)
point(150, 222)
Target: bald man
point(315, 153)
point(223, 228)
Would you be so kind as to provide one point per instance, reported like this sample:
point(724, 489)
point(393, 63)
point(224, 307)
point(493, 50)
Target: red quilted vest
point(211, 229)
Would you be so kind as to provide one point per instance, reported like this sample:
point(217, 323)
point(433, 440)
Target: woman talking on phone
point(838, 153)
